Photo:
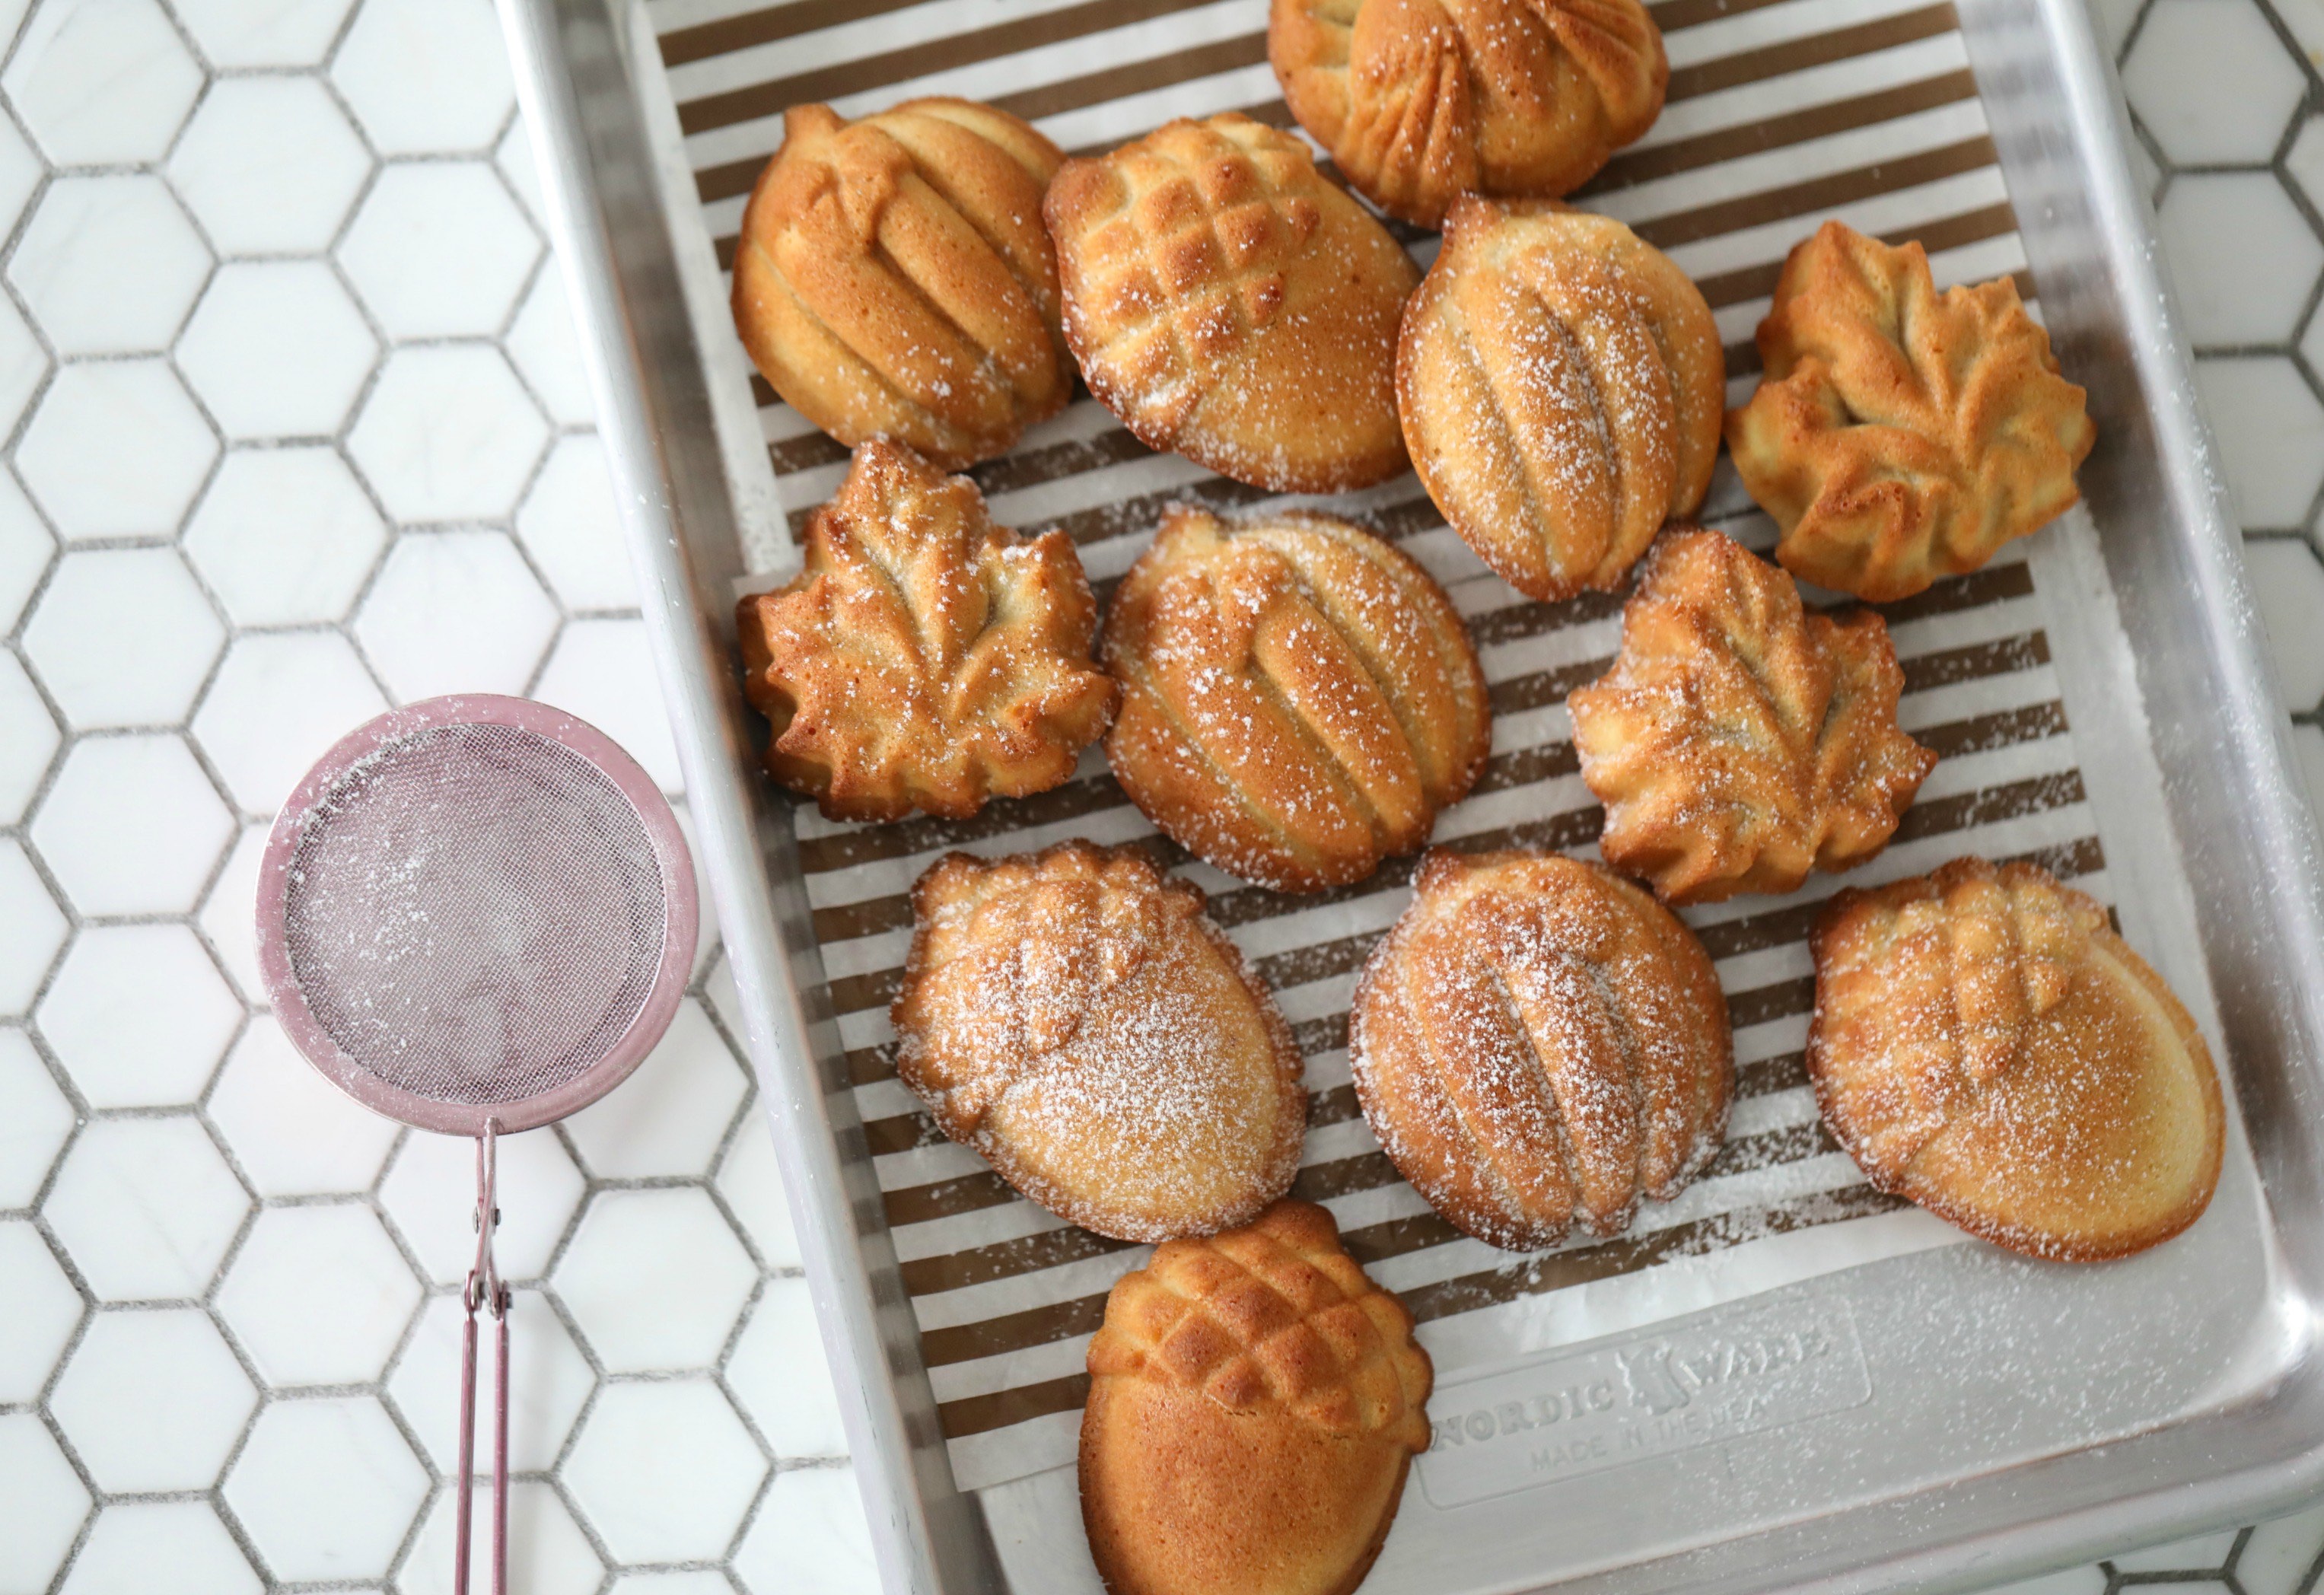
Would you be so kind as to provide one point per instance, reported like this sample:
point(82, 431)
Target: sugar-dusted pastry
point(922, 657)
point(893, 279)
point(1299, 698)
point(1985, 1045)
point(1255, 1402)
point(1562, 385)
point(1740, 740)
point(1900, 435)
point(1538, 1044)
point(1074, 1016)
point(1421, 101)
point(1228, 303)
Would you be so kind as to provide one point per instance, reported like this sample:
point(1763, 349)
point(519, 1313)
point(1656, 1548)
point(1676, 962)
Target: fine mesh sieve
point(476, 915)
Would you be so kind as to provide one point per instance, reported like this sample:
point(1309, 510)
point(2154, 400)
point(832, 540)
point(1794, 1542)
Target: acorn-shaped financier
point(893, 279)
point(1299, 698)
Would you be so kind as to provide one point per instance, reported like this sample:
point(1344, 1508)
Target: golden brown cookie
point(1901, 435)
point(1985, 1045)
point(1074, 1016)
point(1538, 1044)
point(1255, 1402)
point(1421, 101)
point(1562, 385)
point(1227, 303)
point(922, 657)
point(1739, 741)
point(893, 279)
point(1299, 698)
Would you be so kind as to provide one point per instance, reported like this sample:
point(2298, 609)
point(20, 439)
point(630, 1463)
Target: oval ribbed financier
point(893, 280)
point(1562, 386)
point(1538, 1044)
point(1299, 698)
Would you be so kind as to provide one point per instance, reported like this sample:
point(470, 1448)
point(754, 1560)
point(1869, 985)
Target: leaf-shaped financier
point(922, 657)
point(1900, 435)
point(1075, 1016)
point(1985, 1045)
point(1739, 741)
point(1421, 101)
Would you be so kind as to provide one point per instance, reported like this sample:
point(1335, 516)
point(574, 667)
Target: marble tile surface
point(294, 427)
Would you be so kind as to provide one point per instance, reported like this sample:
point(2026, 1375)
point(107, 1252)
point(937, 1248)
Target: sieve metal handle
point(485, 1287)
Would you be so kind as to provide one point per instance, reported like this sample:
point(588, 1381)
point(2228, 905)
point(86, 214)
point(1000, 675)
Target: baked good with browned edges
point(1255, 1403)
point(1740, 740)
point(1538, 1046)
point(922, 657)
point(1075, 1016)
point(1899, 435)
point(1421, 101)
point(1299, 698)
point(1986, 1045)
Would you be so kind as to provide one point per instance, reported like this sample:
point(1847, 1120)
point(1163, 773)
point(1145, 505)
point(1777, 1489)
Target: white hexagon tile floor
point(295, 428)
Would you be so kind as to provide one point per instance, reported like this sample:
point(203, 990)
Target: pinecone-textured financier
point(1227, 302)
point(922, 657)
point(1538, 1045)
point(1255, 1403)
point(1562, 385)
point(1739, 741)
point(1985, 1045)
point(1421, 101)
point(893, 279)
point(1900, 435)
point(1299, 698)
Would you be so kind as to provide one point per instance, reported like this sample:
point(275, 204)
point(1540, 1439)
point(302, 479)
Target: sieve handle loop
point(484, 1288)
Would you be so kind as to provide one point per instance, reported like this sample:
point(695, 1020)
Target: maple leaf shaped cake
point(922, 657)
point(1900, 435)
point(1255, 1403)
point(1739, 741)
point(1421, 101)
point(1227, 302)
point(1074, 1016)
point(1985, 1045)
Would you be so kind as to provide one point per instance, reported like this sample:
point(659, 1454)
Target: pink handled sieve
point(476, 916)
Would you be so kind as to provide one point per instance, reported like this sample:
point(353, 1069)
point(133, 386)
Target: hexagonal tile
point(654, 1279)
point(548, 1386)
point(275, 705)
point(270, 165)
point(32, 928)
point(28, 739)
point(543, 1541)
point(41, 1504)
point(425, 76)
point(35, 1121)
point(138, 1016)
point(670, 1117)
point(123, 637)
point(23, 364)
point(137, 1546)
point(326, 1487)
point(101, 82)
point(2240, 255)
point(132, 825)
point(43, 1310)
point(2211, 81)
point(447, 435)
point(109, 265)
point(664, 1470)
point(284, 536)
point(25, 548)
point(2308, 746)
point(751, 1182)
point(431, 1196)
point(319, 1296)
point(21, 171)
point(810, 1535)
point(293, 1132)
point(573, 531)
point(2304, 161)
point(697, 1581)
point(780, 1375)
point(542, 342)
point(153, 1401)
point(454, 612)
point(2288, 580)
point(145, 1207)
point(439, 249)
point(2270, 430)
point(264, 33)
point(603, 671)
point(227, 921)
point(276, 349)
point(92, 418)
point(514, 156)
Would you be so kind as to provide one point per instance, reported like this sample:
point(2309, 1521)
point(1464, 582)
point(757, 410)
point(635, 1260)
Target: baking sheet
point(1780, 114)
